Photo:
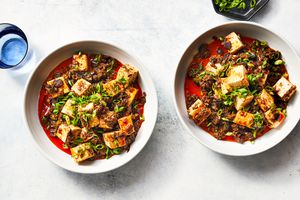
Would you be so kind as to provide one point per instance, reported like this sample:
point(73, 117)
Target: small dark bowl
point(241, 14)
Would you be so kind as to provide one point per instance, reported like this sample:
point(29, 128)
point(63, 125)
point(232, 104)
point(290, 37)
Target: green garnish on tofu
point(258, 120)
point(254, 77)
point(118, 109)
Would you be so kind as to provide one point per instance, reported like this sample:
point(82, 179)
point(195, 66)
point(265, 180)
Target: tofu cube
point(128, 72)
point(241, 102)
point(284, 88)
point(244, 119)
point(237, 77)
point(81, 86)
point(265, 100)
point(274, 118)
point(63, 132)
point(198, 111)
point(86, 108)
point(69, 108)
point(86, 135)
point(263, 79)
point(82, 152)
point(214, 68)
point(61, 86)
point(88, 120)
point(131, 93)
point(94, 121)
point(75, 130)
point(114, 139)
point(235, 41)
point(82, 62)
point(113, 88)
point(108, 120)
point(126, 125)
point(225, 87)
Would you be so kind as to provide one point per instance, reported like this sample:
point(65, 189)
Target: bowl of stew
point(90, 106)
point(235, 88)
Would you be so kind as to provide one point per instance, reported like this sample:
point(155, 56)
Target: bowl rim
point(181, 118)
point(154, 107)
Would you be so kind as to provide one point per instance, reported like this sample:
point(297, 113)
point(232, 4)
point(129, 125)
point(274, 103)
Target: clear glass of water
point(13, 46)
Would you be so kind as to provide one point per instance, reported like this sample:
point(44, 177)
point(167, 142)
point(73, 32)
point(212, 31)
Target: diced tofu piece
point(61, 86)
point(87, 108)
point(241, 102)
point(82, 152)
point(263, 79)
point(235, 41)
point(214, 68)
point(114, 139)
point(274, 118)
point(108, 120)
point(75, 130)
point(63, 132)
point(219, 67)
point(82, 61)
point(86, 135)
point(88, 119)
point(244, 118)
point(81, 86)
point(128, 72)
point(237, 77)
point(131, 92)
point(199, 111)
point(94, 121)
point(284, 88)
point(265, 100)
point(225, 88)
point(69, 108)
point(113, 87)
point(126, 125)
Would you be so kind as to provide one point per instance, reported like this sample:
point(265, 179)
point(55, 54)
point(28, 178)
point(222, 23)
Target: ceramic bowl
point(40, 138)
point(274, 136)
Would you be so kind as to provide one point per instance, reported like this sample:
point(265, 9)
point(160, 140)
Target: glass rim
point(23, 36)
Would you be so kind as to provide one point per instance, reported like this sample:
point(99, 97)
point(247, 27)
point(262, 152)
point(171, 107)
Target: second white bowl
point(274, 136)
point(33, 88)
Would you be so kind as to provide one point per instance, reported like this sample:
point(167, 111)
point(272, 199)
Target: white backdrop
point(173, 165)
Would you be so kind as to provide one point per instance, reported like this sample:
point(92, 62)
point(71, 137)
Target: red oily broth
point(44, 107)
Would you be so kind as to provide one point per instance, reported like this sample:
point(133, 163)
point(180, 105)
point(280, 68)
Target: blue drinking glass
point(13, 46)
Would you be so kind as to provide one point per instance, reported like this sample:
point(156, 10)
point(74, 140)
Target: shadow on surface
point(21, 74)
point(270, 161)
point(132, 173)
point(147, 166)
point(266, 10)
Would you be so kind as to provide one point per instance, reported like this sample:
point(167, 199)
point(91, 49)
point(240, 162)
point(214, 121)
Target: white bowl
point(293, 110)
point(59, 157)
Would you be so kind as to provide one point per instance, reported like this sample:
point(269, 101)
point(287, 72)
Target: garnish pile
point(93, 106)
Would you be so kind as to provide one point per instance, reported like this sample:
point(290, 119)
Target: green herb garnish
point(258, 119)
point(119, 108)
point(122, 80)
point(254, 77)
point(77, 141)
point(142, 118)
point(117, 151)
point(97, 147)
point(227, 5)
point(109, 69)
point(278, 62)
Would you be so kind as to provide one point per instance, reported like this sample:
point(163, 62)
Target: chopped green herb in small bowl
point(238, 9)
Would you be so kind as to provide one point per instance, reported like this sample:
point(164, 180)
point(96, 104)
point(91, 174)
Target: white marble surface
point(172, 165)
